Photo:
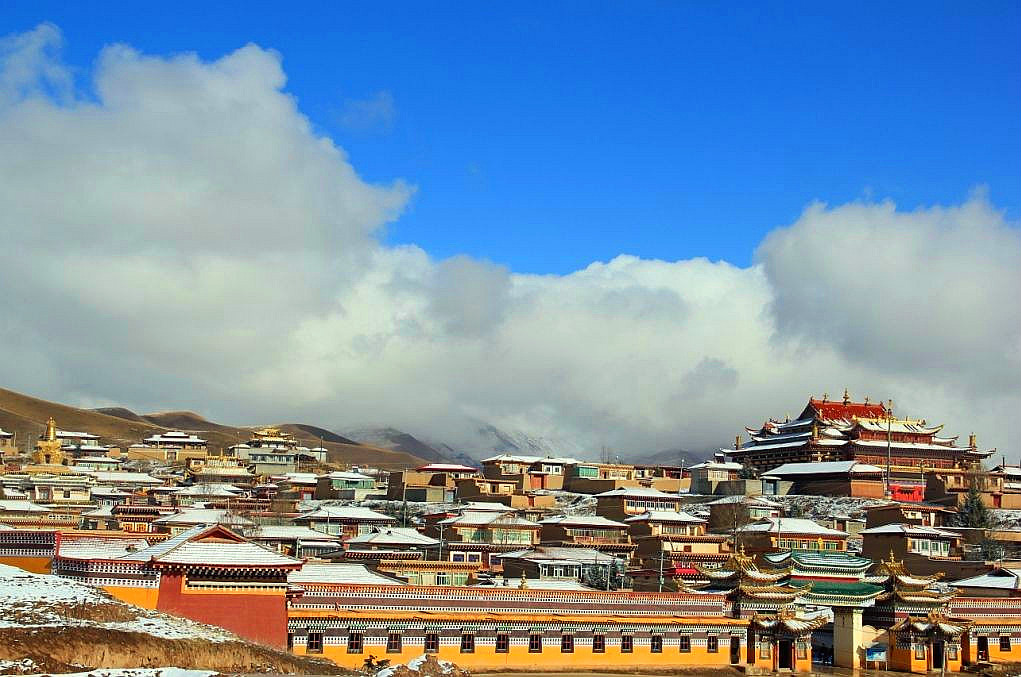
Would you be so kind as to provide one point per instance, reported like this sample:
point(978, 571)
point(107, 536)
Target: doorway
point(983, 648)
point(937, 654)
point(735, 650)
point(785, 657)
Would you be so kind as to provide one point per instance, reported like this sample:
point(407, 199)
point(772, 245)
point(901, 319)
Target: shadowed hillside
point(26, 416)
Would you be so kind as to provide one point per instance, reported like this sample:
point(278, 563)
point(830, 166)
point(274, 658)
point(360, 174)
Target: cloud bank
point(177, 235)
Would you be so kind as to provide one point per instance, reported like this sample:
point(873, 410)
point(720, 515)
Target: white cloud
point(181, 237)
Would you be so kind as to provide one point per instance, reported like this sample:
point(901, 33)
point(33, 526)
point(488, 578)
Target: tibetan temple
point(845, 430)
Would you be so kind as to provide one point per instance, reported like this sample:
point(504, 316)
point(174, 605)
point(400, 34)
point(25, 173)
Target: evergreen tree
point(974, 512)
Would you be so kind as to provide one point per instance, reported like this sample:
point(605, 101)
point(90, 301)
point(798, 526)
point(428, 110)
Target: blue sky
point(545, 138)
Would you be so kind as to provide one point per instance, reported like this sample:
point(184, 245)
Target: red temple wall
point(256, 615)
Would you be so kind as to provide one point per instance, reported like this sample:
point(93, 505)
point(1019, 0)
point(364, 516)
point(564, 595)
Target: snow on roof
point(20, 505)
point(665, 516)
point(639, 492)
point(349, 512)
point(469, 518)
point(550, 554)
point(72, 434)
point(211, 489)
point(301, 477)
point(1004, 579)
point(392, 536)
point(175, 436)
point(97, 547)
point(345, 475)
point(911, 530)
point(824, 468)
point(97, 459)
point(716, 465)
point(536, 584)
point(446, 467)
point(226, 554)
point(750, 500)
point(288, 532)
point(791, 525)
point(122, 476)
point(512, 458)
point(582, 521)
point(341, 572)
point(203, 516)
point(484, 506)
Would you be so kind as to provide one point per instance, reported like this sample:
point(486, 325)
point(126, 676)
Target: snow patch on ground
point(18, 667)
point(127, 672)
point(39, 600)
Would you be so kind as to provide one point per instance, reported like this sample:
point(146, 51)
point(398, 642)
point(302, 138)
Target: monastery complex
point(846, 536)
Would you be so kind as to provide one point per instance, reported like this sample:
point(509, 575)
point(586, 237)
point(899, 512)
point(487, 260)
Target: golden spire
point(866, 399)
point(847, 397)
point(737, 441)
point(51, 430)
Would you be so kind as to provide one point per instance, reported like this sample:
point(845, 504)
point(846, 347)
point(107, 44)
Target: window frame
point(394, 642)
point(656, 644)
point(314, 646)
point(627, 643)
point(712, 644)
point(355, 642)
point(431, 643)
point(684, 643)
point(1004, 643)
point(534, 643)
point(566, 643)
point(598, 643)
point(467, 642)
point(502, 642)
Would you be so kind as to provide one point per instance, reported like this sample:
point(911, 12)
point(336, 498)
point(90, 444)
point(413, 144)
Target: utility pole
point(889, 444)
point(662, 552)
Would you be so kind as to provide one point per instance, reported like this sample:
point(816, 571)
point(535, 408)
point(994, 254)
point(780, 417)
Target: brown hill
point(26, 416)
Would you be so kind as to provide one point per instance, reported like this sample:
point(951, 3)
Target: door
point(937, 654)
point(785, 657)
point(983, 648)
point(735, 650)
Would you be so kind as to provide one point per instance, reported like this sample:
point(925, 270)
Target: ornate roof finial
point(866, 399)
point(737, 442)
point(847, 397)
point(51, 430)
point(523, 585)
point(825, 397)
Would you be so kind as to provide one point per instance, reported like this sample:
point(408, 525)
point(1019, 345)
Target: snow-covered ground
point(122, 672)
point(38, 600)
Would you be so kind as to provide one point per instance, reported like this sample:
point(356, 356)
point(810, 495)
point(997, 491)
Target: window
point(685, 643)
point(432, 642)
point(535, 643)
point(354, 642)
point(441, 578)
point(598, 643)
point(67, 494)
point(457, 557)
point(764, 649)
point(1004, 643)
point(502, 642)
point(627, 643)
point(314, 643)
point(656, 643)
point(393, 643)
point(920, 652)
point(952, 652)
point(467, 643)
point(712, 643)
point(566, 643)
point(802, 650)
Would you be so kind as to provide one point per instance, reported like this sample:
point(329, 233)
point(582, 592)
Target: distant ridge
point(26, 416)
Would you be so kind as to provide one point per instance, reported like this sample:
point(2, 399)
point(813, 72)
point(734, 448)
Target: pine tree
point(974, 512)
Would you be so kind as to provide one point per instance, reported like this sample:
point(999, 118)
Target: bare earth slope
point(62, 626)
point(27, 416)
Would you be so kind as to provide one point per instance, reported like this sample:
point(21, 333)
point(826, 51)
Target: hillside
point(26, 416)
point(51, 624)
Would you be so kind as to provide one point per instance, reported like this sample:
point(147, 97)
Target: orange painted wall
point(35, 565)
point(256, 615)
point(146, 598)
point(520, 658)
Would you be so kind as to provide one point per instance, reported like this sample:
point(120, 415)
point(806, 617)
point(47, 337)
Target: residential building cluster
point(559, 562)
